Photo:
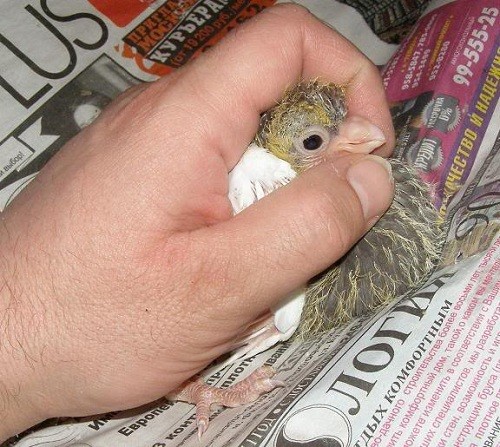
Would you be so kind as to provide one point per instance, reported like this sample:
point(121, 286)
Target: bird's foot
point(198, 393)
point(358, 135)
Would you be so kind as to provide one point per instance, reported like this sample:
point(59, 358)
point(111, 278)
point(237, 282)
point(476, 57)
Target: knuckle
point(286, 17)
point(290, 10)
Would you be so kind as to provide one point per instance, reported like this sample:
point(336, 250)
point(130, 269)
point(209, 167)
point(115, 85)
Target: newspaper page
point(423, 371)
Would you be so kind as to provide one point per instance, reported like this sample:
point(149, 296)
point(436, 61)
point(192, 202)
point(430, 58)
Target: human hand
point(124, 271)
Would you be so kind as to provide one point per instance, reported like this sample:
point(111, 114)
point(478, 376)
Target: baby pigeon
point(393, 258)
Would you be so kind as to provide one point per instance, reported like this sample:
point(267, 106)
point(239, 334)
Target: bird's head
point(300, 127)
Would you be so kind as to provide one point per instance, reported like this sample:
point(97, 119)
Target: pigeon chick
point(391, 259)
point(397, 253)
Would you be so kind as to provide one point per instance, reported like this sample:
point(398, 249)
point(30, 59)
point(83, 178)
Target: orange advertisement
point(123, 15)
point(178, 31)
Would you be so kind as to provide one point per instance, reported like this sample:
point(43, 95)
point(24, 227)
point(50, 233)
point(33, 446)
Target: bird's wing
point(257, 174)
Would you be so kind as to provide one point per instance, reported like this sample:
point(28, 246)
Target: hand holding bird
point(124, 268)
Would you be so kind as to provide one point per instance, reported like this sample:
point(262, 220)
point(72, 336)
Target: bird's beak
point(357, 135)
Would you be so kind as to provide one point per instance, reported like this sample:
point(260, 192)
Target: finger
point(226, 89)
point(278, 244)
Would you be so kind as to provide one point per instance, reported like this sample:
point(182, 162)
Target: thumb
point(278, 244)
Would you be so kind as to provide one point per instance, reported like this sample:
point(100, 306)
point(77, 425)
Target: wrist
point(20, 356)
point(15, 416)
point(18, 391)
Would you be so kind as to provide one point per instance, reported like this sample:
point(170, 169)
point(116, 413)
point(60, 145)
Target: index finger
point(248, 71)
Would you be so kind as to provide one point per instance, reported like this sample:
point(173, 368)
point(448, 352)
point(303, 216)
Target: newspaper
point(423, 371)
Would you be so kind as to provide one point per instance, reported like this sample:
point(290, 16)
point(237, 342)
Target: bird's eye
point(313, 139)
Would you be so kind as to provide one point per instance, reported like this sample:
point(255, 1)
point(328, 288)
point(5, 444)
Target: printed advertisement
point(443, 88)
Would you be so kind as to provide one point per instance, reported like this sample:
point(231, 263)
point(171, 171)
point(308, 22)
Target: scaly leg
point(198, 393)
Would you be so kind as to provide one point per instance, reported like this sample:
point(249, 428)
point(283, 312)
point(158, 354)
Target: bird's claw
point(202, 424)
point(277, 384)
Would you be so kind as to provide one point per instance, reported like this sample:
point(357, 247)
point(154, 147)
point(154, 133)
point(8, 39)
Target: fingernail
point(371, 178)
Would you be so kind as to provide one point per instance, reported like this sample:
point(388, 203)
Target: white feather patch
point(257, 174)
